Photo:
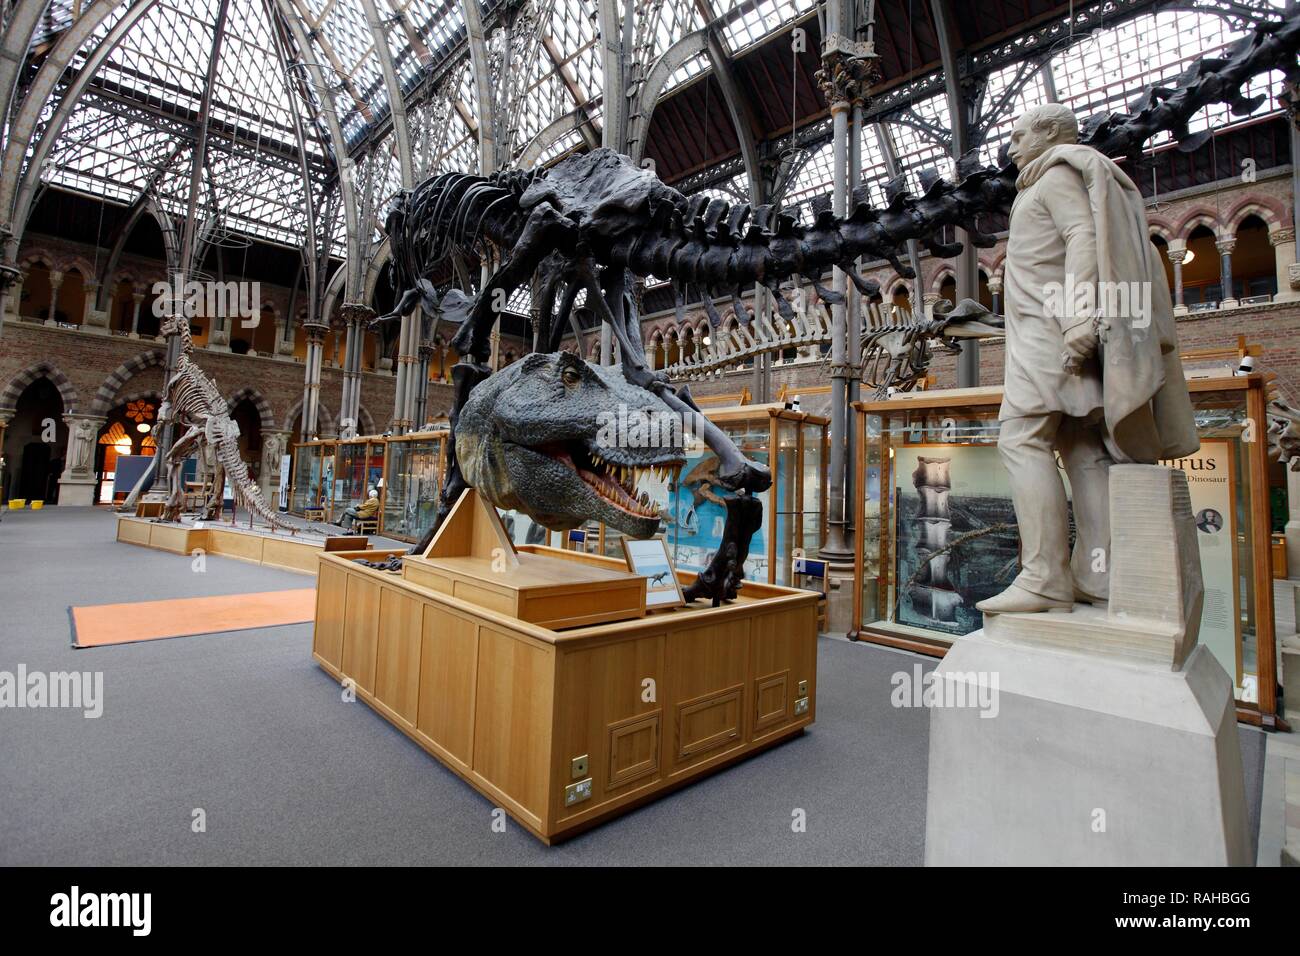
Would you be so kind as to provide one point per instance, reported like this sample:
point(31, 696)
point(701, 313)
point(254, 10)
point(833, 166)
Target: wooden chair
point(366, 525)
point(812, 575)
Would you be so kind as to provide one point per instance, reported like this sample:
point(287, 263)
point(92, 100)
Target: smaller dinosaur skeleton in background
point(897, 345)
point(193, 404)
point(896, 355)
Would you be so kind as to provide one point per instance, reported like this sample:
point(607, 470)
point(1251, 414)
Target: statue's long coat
point(1142, 393)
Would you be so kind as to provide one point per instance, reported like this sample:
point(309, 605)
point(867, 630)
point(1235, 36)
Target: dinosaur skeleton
point(192, 402)
point(594, 221)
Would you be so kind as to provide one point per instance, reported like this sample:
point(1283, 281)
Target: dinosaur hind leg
point(176, 456)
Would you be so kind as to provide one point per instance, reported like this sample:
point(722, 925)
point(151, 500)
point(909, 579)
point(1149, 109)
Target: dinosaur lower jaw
point(616, 484)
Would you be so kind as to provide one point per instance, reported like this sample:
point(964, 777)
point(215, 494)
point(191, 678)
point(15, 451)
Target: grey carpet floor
point(246, 728)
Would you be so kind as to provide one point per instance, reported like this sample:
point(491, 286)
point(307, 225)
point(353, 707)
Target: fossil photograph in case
point(955, 534)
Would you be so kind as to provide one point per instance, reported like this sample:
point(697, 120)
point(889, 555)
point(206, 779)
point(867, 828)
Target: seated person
point(367, 509)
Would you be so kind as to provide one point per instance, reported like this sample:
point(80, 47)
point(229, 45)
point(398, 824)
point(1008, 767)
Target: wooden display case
point(619, 713)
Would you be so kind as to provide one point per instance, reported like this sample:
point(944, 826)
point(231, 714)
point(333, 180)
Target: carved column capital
point(849, 71)
point(10, 275)
point(316, 333)
point(355, 312)
point(1177, 256)
point(1225, 244)
point(1279, 236)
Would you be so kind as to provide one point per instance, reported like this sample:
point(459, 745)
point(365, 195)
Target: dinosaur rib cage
point(897, 346)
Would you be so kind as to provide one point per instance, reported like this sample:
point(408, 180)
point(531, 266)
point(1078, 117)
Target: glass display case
point(694, 509)
point(937, 531)
point(792, 444)
point(358, 467)
point(412, 482)
point(313, 477)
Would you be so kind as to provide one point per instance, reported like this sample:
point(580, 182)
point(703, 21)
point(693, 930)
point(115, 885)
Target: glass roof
point(133, 129)
point(1100, 73)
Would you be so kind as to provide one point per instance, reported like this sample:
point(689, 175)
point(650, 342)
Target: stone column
point(11, 287)
point(1177, 256)
point(311, 380)
point(995, 290)
point(218, 335)
point(356, 318)
point(283, 338)
point(95, 321)
point(56, 283)
point(1288, 272)
point(77, 484)
point(422, 386)
point(275, 443)
point(1225, 245)
point(137, 300)
point(928, 300)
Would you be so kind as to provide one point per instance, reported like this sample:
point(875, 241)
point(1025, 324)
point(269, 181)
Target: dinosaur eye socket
point(571, 376)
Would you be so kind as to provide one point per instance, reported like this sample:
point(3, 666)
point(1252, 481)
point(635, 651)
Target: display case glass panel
point(413, 475)
point(313, 476)
point(793, 508)
point(359, 467)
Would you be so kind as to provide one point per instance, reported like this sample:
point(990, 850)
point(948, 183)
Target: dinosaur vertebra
point(896, 350)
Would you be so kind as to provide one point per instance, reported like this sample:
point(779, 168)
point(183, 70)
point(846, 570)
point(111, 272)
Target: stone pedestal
point(1105, 736)
point(96, 322)
point(1291, 680)
point(1086, 760)
point(76, 491)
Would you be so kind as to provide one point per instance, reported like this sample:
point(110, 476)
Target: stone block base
point(76, 491)
point(1084, 759)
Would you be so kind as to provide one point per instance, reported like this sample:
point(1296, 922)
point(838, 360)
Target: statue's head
point(1040, 128)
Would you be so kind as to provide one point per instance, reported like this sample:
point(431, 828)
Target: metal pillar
point(848, 71)
point(966, 265)
point(186, 265)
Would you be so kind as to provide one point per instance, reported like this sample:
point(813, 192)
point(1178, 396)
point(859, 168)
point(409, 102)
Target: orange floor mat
point(103, 624)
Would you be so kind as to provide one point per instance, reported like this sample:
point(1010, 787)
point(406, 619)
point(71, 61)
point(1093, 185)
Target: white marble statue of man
point(1092, 368)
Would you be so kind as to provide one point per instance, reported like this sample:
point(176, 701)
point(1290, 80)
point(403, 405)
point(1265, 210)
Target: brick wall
point(89, 360)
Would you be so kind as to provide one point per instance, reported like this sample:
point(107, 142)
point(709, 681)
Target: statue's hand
point(1080, 345)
